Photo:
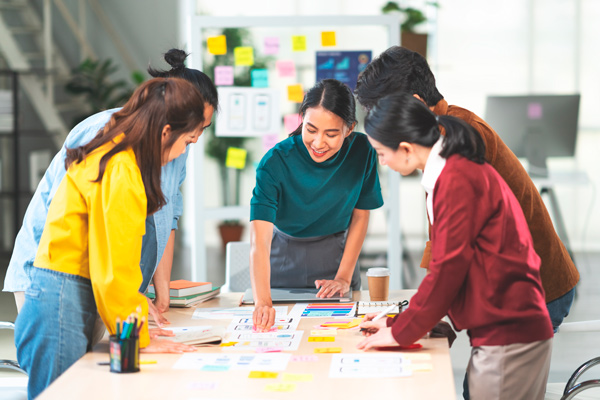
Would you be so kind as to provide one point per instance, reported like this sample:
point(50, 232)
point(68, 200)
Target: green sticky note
point(260, 78)
point(236, 158)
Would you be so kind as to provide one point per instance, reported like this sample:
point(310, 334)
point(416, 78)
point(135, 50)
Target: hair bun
point(176, 58)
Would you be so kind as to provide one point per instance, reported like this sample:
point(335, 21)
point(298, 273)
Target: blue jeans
point(54, 328)
point(558, 310)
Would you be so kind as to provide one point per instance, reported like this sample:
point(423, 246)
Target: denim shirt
point(158, 225)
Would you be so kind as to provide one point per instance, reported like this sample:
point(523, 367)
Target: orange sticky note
point(328, 38)
point(236, 158)
point(244, 56)
point(299, 43)
point(328, 350)
point(228, 344)
point(263, 375)
point(321, 339)
point(295, 93)
point(217, 45)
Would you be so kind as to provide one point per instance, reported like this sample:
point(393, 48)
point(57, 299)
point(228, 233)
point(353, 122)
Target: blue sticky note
point(215, 368)
point(260, 78)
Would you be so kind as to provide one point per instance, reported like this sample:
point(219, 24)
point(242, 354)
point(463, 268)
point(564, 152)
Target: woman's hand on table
point(166, 346)
point(156, 332)
point(329, 288)
point(263, 317)
point(382, 338)
point(156, 315)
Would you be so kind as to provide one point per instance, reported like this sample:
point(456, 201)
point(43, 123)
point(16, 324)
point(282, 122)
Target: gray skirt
point(299, 262)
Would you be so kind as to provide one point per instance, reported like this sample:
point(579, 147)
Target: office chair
point(12, 387)
point(237, 267)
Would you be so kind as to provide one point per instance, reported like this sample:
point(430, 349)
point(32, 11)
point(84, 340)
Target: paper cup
point(379, 283)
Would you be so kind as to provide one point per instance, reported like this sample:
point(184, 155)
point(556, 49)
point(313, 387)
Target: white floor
point(570, 349)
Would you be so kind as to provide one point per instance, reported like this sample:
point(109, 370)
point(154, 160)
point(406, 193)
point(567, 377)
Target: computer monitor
point(535, 126)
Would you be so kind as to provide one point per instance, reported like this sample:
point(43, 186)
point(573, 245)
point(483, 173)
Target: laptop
point(297, 295)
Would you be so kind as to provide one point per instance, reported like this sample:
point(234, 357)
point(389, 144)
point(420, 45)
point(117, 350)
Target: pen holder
point(124, 354)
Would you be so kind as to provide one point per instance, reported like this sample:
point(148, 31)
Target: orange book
point(182, 287)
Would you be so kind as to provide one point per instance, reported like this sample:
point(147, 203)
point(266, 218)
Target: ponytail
point(403, 118)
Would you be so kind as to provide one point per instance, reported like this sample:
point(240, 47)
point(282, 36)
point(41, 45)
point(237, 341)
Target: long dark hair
point(156, 103)
point(397, 70)
point(403, 118)
point(333, 96)
point(176, 59)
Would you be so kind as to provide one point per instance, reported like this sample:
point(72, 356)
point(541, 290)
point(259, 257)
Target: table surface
point(88, 380)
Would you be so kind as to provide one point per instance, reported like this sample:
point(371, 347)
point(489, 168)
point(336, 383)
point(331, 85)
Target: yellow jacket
point(95, 230)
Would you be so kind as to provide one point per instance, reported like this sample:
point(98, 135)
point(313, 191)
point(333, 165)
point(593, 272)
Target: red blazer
point(484, 272)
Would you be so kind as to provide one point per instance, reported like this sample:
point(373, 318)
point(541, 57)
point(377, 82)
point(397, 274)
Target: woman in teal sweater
point(310, 207)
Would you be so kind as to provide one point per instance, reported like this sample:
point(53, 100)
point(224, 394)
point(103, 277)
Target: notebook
point(296, 295)
point(368, 307)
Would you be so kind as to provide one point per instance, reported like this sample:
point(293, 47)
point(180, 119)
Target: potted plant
point(216, 146)
point(91, 80)
point(413, 17)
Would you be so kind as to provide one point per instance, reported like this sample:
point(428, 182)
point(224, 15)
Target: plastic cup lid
point(378, 272)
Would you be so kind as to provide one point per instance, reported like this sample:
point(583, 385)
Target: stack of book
point(185, 293)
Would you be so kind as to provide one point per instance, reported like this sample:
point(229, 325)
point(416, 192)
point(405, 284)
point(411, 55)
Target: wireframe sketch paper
point(233, 361)
point(362, 365)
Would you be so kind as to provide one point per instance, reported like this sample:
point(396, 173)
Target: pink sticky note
point(286, 68)
point(534, 111)
point(291, 122)
point(271, 45)
point(305, 358)
point(269, 141)
point(224, 75)
point(267, 350)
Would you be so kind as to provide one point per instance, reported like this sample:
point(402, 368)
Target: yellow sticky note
point(295, 93)
point(263, 375)
point(244, 56)
point(287, 377)
point(328, 350)
point(421, 367)
point(328, 38)
point(323, 332)
point(236, 158)
point(299, 43)
point(321, 339)
point(228, 344)
point(280, 387)
point(217, 45)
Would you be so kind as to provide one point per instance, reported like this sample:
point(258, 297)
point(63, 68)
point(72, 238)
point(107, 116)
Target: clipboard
point(368, 307)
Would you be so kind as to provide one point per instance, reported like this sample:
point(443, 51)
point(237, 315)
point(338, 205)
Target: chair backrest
point(237, 267)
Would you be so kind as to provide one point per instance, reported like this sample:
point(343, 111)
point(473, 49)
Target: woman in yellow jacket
point(89, 254)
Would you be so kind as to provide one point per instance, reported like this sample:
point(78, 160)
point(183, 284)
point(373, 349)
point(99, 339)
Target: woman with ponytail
point(484, 272)
point(310, 208)
point(88, 258)
point(157, 248)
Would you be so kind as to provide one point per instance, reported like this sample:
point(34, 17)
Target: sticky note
point(269, 141)
point(291, 122)
point(328, 38)
point(299, 43)
point(244, 56)
point(287, 377)
point(236, 158)
point(271, 45)
point(224, 75)
point(295, 93)
point(267, 350)
point(217, 45)
point(321, 339)
point(263, 375)
point(305, 358)
point(421, 367)
point(323, 332)
point(286, 68)
point(280, 387)
point(215, 368)
point(228, 344)
point(328, 350)
point(260, 78)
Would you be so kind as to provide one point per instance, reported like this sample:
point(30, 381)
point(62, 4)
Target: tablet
point(296, 295)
